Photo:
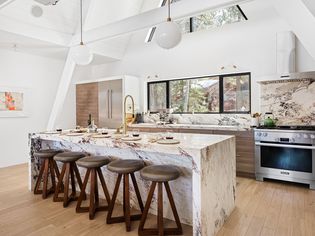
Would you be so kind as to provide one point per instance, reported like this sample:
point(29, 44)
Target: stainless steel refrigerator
point(110, 103)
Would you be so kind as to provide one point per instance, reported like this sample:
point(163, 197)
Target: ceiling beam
point(301, 20)
point(151, 18)
point(64, 84)
point(19, 27)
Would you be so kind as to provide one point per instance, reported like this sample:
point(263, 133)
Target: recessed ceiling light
point(37, 11)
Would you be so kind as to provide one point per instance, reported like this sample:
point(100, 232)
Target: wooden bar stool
point(69, 171)
point(48, 166)
point(93, 166)
point(160, 174)
point(125, 168)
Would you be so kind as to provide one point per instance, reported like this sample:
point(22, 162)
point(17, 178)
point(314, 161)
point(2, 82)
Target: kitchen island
point(205, 192)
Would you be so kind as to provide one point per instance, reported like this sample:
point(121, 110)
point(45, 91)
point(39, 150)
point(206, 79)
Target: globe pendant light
point(168, 34)
point(81, 54)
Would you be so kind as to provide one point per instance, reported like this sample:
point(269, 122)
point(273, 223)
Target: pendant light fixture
point(81, 54)
point(168, 34)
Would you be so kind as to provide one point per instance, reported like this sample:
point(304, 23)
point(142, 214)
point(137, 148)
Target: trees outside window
point(213, 94)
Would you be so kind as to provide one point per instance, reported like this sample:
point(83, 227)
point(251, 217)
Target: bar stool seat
point(93, 165)
point(160, 175)
point(125, 166)
point(69, 172)
point(69, 156)
point(93, 161)
point(48, 167)
point(47, 153)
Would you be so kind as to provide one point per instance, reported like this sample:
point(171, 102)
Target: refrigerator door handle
point(108, 104)
point(111, 104)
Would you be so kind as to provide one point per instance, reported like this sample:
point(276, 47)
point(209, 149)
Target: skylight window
point(206, 20)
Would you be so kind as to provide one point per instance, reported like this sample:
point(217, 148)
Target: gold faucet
point(125, 128)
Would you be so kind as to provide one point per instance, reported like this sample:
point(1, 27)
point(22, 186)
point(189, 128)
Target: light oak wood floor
point(268, 208)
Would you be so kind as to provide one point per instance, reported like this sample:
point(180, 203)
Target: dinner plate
point(50, 132)
point(168, 141)
point(101, 136)
point(74, 134)
point(131, 138)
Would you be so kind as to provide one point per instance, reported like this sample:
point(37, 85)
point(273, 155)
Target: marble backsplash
point(242, 120)
point(291, 101)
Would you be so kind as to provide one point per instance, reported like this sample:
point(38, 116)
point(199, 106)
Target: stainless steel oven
point(285, 155)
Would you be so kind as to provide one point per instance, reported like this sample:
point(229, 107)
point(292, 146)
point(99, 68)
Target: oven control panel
point(283, 136)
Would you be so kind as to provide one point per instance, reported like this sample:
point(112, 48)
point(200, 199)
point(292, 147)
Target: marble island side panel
point(191, 156)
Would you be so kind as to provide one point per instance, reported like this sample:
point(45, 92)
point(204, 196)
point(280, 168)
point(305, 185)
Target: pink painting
point(11, 101)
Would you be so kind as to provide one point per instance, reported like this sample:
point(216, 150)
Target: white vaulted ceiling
point(62, 17)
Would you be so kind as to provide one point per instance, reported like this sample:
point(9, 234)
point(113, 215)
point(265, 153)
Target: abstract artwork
point(12, 102)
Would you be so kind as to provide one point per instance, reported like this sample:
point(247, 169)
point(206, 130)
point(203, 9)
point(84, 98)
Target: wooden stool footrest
point(167, 231)
point(121, 219)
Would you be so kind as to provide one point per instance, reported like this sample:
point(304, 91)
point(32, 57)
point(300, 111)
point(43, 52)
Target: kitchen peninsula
point(205, 192)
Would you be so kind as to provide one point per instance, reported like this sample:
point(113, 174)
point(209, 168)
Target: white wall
point(250, 45)
point(41, 76)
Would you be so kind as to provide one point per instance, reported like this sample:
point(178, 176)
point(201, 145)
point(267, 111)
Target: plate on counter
point(168, 141)
point(74, 134)
point(50, 132)
point(101, 136)
point(131, 138)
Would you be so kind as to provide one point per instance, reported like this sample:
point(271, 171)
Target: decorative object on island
point(81, 54)
point(168, 34)
point(13, 102)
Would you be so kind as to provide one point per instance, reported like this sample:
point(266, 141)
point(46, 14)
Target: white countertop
point(187, 141)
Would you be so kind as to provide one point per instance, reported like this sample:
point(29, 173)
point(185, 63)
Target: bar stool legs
point(127, 217)
point(160, 175)
point(69, 172)
point(160, 230)
point(49, 166)
point(94, 195)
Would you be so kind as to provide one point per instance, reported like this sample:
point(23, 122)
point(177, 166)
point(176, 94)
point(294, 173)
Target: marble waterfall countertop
point(190, 126)
point(205, 192)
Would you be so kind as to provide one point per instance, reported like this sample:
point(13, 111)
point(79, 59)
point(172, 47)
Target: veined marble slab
point(292, 102)
point(205, 192)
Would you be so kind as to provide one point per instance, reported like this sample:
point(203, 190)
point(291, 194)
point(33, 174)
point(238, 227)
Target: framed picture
point(14, 102)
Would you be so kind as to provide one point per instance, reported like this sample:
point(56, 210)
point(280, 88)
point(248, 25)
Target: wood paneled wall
point(86, 103)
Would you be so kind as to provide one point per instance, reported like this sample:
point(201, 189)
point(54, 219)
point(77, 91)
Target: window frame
point(150, 34)
point(221, 93)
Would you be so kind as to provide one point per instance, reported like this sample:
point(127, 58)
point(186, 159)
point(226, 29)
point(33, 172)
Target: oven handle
point(284, 145)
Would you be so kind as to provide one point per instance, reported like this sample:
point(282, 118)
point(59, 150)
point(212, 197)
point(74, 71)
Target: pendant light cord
point(169, 10)
point(81, 23)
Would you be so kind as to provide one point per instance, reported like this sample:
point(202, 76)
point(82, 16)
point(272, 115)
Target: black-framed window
point(205, 20)
point(228, 93)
